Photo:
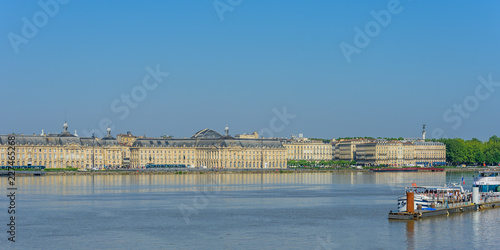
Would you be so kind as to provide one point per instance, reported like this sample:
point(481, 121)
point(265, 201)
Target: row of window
point(152, 157)
point(49, 164)
point(206, 153)
point(22, 150)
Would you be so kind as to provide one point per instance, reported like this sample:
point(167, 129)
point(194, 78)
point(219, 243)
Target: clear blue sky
point(263, 55)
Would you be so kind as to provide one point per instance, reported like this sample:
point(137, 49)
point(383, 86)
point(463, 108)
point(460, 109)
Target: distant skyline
point(176, 67)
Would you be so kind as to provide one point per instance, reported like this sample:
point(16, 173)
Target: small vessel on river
point(436, 201)
point(430, 197)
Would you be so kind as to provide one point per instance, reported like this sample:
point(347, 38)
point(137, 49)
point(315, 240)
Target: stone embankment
point(210, 171)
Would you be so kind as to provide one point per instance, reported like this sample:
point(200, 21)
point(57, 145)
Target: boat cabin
point(488, 181)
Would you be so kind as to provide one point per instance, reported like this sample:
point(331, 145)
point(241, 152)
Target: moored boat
point(488, 182)
point(431, 197)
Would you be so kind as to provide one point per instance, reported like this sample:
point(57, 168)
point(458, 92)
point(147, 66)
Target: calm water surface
point(235, 211)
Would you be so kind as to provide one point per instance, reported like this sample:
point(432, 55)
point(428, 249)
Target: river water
point(235, 211)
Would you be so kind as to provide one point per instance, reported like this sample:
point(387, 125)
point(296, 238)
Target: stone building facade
point(308, 150)
point(400, 153)
point(63, 150)
point(209, 149)
point(345, 150)
point(430, 153)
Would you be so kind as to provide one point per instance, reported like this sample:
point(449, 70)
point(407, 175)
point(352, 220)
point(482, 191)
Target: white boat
point(437, 196)
point(488, 182)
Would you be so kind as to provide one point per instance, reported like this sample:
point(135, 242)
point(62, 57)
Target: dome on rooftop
point(206, 133)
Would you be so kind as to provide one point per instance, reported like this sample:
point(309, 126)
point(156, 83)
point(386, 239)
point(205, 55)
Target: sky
point(326, 69)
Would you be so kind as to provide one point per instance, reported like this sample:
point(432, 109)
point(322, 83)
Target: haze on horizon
point(244, 64)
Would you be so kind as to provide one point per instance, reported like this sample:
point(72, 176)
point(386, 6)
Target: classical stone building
point(390, 153)
point(63, 150)
point(309, 150)
point(400, 153)
point(430, 153)
point(345, 150)
point(208, 148)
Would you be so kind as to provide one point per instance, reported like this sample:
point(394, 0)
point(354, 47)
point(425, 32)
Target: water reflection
point(86, 181)
point(476, 229)
point(401, 180)
point(84, 184)
point(410, 234)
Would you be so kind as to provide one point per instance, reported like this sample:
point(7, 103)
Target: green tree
point(456, 151)
point(303, 163)
point(492, 150)
point(475, 151)
point(494, 139)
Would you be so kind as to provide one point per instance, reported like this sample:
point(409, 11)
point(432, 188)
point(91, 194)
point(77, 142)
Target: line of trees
point(472, 152)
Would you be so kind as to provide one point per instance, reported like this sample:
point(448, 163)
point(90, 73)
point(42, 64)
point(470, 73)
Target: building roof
point(108, 140)
point(63, 139)
point(208, 142)
point(128, 134)
point(206, 133)
point(39, 140)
